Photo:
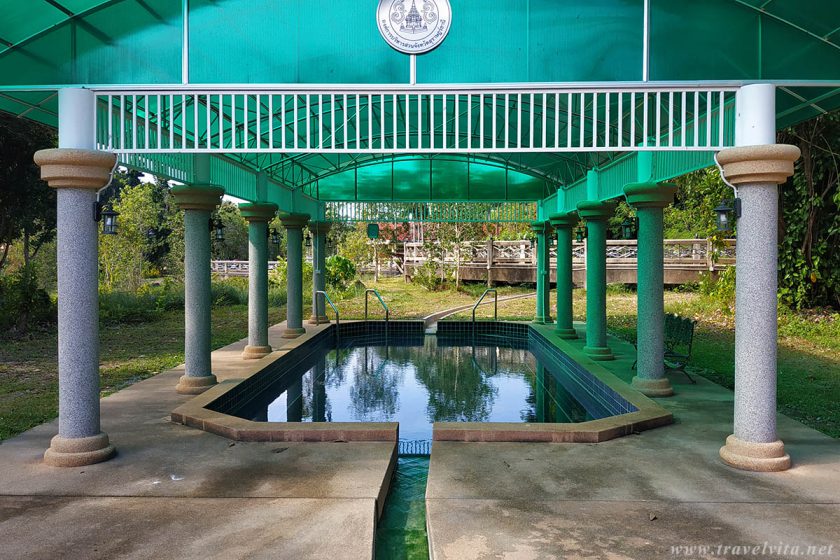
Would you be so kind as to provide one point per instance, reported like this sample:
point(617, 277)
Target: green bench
point(679, 336)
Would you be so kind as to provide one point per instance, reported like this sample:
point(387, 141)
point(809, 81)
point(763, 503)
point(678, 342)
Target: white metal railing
point(235, 268)
point(678, 253)
point(438, 119)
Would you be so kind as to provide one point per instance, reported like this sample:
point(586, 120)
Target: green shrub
point(168, 296)
point(277, 296)
point(427, 276)
point(233, 291)
point(23, 305)
point(721, 289)
point(340, 272)
point(619, 289)
point(126, 307)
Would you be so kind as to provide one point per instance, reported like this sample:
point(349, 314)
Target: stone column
point(543, 313)
point(77, 174)
point(563, 224)
point(197, 202)
point(756, 171)
point(294, 224)
point(596, 215)
point(319, 271)
point(258, 216)
point(649, 199)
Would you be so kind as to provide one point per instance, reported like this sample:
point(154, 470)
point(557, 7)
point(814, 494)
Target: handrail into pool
point(495, 304)
point(379, 297)
point(329, 301)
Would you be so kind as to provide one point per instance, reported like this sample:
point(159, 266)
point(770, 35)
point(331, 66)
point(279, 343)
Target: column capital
point(564, 220)
point(293, 221)
point(650, 194)
point(540, 226)
point(258, 211)
point(75, 169)
point(595, 210)
point(197, 197)
point(320, 227)
point(768, 163)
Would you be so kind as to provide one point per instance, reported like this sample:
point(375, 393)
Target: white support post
point(756, 166)
point(77, 172)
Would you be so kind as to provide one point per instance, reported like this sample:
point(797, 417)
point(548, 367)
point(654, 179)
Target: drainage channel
point(401, 532)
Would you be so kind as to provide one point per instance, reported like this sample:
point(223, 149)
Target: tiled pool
point(459, 375)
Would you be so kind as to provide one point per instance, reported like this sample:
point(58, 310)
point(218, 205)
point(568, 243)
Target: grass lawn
point(129, 353)
point(412, 301)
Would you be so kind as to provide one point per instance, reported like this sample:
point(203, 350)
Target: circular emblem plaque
point(414, 26)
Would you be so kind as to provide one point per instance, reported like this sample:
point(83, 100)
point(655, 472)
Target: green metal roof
point(46, 44)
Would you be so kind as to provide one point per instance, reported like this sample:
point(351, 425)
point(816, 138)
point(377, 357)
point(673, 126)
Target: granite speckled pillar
point(319, 271)
point(294, 224)
point(77, 174)
point(650, 199)
point(563, 224)
point(257, 215)
point(755, 169)
point(197, 202)
point(77, 171)
point(543, 312)
point(596, 214)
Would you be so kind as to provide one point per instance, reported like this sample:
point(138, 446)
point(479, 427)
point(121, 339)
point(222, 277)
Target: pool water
point(420, 381)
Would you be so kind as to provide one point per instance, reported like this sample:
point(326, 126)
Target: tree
point(692, 215)
point(235, 245)
point(809, 220)
point(27, 204)
point(124, 257)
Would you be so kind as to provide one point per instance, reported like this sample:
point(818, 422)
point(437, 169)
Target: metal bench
point(679, 336)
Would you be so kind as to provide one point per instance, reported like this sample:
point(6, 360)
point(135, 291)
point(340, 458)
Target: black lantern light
point(107, 217)
point(628, 228)
point(217, 228)
point(109, 222)
point(580, 234)
point(308, 240)
point(727, 213)
point(274, 235)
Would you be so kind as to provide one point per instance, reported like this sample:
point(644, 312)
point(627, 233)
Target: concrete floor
point(637, 496)
point(178, 492)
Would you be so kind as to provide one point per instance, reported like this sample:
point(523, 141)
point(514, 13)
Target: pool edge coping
point(194, 413)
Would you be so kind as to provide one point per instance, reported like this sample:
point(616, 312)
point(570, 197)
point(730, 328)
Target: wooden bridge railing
point(692, 253)
point(680, 254)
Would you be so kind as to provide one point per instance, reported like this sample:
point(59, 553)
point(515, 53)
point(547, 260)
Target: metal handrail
point(379, 297)
point(329, 301)
point(495, 303)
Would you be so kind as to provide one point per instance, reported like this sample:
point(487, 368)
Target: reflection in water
point(418, 385)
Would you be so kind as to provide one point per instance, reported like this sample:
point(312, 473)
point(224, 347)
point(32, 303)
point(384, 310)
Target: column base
point(566, 334)
point(255, 352)
point(757, 457)
point(653, 387)
point(195, 385)
point(79, 452)
point(320, 320)
point(293, 333)
point(598, 353)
